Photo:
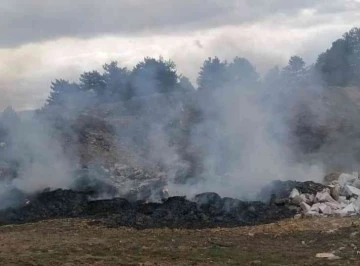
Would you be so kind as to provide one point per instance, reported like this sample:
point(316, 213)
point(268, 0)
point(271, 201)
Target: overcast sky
point(46, 39)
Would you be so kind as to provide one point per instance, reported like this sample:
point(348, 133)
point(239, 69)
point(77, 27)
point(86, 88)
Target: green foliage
point(241, 71)
point(333, 65)
point(272, 77)
point(340, 65)
point(61, 92)
point(296, 65)
point(9, 118)
point(216, 74)
point(93, 81)
point(185, 84)
point(295, 74)
point(117, 81)
point(212, 74)
point(153, 76)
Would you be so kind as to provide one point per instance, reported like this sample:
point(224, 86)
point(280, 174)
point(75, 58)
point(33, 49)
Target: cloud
point(44, 40)
point(26, 71)
point(24, 21)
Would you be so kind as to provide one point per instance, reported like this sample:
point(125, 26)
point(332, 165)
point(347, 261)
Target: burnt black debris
point(45, 205)
point(280, 190)
point(206, 210)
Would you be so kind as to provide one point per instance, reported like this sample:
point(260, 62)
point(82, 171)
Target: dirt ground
point(81, 242)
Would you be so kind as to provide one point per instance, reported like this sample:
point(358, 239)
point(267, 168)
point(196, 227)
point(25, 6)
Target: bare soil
point(82, 242)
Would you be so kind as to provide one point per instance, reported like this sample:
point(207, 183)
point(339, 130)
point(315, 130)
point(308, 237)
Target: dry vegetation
point(81, 242)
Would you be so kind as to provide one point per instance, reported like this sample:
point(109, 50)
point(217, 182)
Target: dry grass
point(77, 242)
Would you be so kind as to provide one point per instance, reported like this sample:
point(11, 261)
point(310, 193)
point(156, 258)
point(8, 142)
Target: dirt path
point(77, 242)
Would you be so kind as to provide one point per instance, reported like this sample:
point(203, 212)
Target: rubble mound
point(206, 210)
point(341, 195)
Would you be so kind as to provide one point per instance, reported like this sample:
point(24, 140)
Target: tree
point(241, 71)
point(340, 65)
point(333, 65)
point(153, 76)
point(185, 84)
point(61, 92)
point(9, 118)
point(213, 74)
point(295, 74)
point(296, 65)
point(93, 81)
point(117, 81)
point(217, 74)
point(272, 77)
point(352, 39)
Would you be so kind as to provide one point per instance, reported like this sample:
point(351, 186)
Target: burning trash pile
point(121, 195)
point(340, 195)
point(203, 211)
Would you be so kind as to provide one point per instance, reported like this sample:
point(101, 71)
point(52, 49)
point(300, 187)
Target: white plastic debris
point(297, 216)
point(311, 198)
point(312, 213)
point(351, 200)
point(330, 256)
point(304, 198)
point(315, 207)
point(335, 191)
point(349, 210)
point(298, 199)
point(356, 183)
point(305, 207)
point(342, 199)
point(356, 205)
point(351, 191)
point(346, 179)
point(334, 205)
point(294, 193)
point(324, 196)
point(325, 209)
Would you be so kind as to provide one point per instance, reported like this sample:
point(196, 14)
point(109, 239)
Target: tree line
point(337, 66)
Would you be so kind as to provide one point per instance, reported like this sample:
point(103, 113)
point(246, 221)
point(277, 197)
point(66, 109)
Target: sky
point(43, 40)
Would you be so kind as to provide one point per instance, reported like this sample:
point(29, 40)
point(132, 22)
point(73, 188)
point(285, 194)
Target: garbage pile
point(203, 211)
point(120, 180)
point(340, 195)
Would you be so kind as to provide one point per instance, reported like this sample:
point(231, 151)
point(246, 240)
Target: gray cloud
point(42, 40)
point(23, 21)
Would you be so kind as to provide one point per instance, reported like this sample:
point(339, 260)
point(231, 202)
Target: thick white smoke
point(44, 164)
point(247, 145)
point(37, 155)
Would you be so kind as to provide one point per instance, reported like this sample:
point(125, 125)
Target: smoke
point(232, 139)
point(246, 143)
point(32, 158)
point(43, 164)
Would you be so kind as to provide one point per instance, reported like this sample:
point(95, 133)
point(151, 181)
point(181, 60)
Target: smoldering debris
point(207, 210)
point(141, 210)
